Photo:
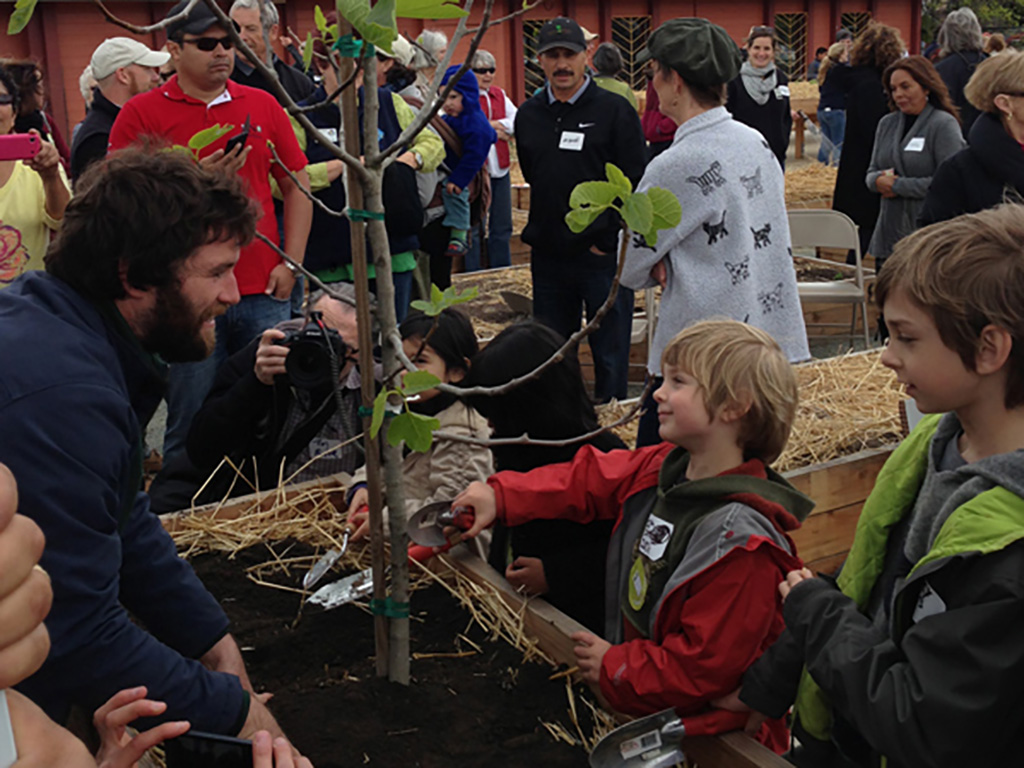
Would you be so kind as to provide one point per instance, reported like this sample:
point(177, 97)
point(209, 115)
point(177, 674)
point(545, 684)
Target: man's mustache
point(563, 72)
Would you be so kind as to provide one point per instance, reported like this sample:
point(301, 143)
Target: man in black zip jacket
point(565, 135)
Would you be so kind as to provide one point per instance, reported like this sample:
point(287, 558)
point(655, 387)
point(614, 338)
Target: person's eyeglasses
point(6, 98)
point(207, 44)
point(485, 71)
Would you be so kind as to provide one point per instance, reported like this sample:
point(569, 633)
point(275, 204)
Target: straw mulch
point(802, 89)
point(847, 404)
point(811, 183)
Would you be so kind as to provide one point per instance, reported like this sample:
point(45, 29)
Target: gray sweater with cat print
point(730, 255)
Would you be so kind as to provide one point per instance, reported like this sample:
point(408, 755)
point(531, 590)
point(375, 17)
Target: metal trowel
point(325, 563)
point(654, 741)
point(426, 527)
point(347, 590)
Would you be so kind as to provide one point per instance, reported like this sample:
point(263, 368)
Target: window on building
point(533, 75)
point(791, 44)
point(630, 34)
point(855, 21)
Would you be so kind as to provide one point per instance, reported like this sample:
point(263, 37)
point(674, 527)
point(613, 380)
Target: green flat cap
point(701, 52)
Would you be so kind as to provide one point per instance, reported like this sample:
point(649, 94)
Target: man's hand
point(259, 719)
point(25, 591)
point(409, 159)
point(792, 579)
point(47, 162)
point(41, 743)
point(280, 282)
point(359, 513)
point(528, 573)
point(270, 356)
point(230, 163)
point(590, 650)
point(731, 702)
point(117, 748)
point(480, 497)
point(224, 656)
point(268, 752)
point(659, 273)
point(452, 189)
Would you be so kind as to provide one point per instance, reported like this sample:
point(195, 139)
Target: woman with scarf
point(759, 97)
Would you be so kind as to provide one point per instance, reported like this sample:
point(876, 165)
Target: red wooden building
point(63, 35)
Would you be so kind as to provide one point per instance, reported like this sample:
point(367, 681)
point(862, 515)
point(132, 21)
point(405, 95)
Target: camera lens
point(308, 364)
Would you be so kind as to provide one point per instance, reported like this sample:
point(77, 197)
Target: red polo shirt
point(168, 113)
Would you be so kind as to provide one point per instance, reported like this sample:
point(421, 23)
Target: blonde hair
point(834, 58)
point(736, 363)
point(997, 74)
point(966, 273)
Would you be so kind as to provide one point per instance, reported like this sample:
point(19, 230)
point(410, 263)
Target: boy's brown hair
point(967, 273)
point(735, 363)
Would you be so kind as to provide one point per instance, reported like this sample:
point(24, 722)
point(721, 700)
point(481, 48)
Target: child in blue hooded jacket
point(462, 112)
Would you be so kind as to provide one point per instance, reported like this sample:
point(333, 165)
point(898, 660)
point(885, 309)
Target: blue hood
point(470, 90)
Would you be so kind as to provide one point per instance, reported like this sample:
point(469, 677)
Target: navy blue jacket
point(76, 390)
point(473, 129)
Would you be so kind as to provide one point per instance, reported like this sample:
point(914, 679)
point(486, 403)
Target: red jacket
point(657, 127)
point(711, 627)
point(492, 102)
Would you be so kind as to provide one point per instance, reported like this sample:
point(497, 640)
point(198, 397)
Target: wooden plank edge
point(552, 629)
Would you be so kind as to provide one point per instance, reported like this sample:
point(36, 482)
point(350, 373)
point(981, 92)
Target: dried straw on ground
point(801, 89)
point(847, 404)
point(813, 182)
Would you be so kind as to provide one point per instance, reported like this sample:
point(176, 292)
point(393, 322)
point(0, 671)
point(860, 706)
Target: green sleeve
point(427, 142)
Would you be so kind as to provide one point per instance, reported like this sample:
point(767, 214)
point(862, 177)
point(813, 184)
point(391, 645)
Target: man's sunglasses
point(6, 98)
point(207, 44)
point(485, 71)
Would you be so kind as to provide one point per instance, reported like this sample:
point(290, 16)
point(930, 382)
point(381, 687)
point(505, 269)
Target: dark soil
point(482, 710)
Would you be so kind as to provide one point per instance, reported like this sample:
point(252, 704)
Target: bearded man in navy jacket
point(141, 267)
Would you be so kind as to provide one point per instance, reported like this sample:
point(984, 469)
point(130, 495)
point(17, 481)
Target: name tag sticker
point(916, 144)
point(571, 140)
point(331, 134)
point(782, 91)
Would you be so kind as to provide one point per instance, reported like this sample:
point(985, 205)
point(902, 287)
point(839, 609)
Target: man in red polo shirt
point(199, 96)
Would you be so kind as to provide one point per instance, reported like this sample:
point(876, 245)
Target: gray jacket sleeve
point(876, 167)
point(946, 694)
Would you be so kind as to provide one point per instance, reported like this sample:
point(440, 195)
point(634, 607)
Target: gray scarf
point(759, 81)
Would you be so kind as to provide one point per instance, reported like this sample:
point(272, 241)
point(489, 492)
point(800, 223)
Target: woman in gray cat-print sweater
point(730, 254)
point(910, 144)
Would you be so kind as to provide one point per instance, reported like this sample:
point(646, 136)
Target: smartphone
point(196, 749)
point(239, 140)
point(19, 146)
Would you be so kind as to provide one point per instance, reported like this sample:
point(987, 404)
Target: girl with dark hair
point(921, 132)
point(759, 97)
point(561, 560)
point(443, 346)
point(33, 195)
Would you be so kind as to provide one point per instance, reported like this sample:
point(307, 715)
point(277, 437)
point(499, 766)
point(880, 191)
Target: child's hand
point(119, 749)
point(479, 496)
point(792, 579)
point(528, 573)
point(359, 513)
point(590, 650)
point(732, 702)
point(452, 189)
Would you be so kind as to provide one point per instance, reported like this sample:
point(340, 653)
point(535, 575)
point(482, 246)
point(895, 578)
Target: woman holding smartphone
point(33, 194)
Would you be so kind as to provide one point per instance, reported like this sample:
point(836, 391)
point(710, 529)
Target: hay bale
point(811, 183)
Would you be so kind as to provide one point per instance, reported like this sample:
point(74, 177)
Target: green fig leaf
point(415, 429)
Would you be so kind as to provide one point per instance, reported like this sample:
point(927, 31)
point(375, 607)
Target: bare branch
point(334, 95)
point(138, 30)
point(525, 439)
point(307, 192)
point(316, 281)
point(555, 358)
point(503, 19)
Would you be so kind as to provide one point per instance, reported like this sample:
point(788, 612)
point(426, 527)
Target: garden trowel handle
point(715, 721)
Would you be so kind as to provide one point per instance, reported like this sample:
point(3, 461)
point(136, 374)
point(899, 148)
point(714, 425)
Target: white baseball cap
point(403, 51)
point(116, 52)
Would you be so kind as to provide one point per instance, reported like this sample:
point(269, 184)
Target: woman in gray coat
point(910, 144)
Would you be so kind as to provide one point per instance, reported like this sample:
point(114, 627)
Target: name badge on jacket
point(571, 140)
point(782, 92)
point(916, 144)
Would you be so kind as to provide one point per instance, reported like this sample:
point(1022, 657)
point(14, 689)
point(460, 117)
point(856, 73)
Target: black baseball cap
point(701, 52)
point(199, 19)
point(561, 33)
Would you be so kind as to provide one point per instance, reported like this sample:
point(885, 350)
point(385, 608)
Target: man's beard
point(175, 330)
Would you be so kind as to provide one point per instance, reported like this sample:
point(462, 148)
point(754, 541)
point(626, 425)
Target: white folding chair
point(822, 228)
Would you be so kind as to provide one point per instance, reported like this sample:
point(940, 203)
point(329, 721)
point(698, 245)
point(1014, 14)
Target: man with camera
point(275, 411)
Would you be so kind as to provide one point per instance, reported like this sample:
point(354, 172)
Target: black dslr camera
point(317, 354)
